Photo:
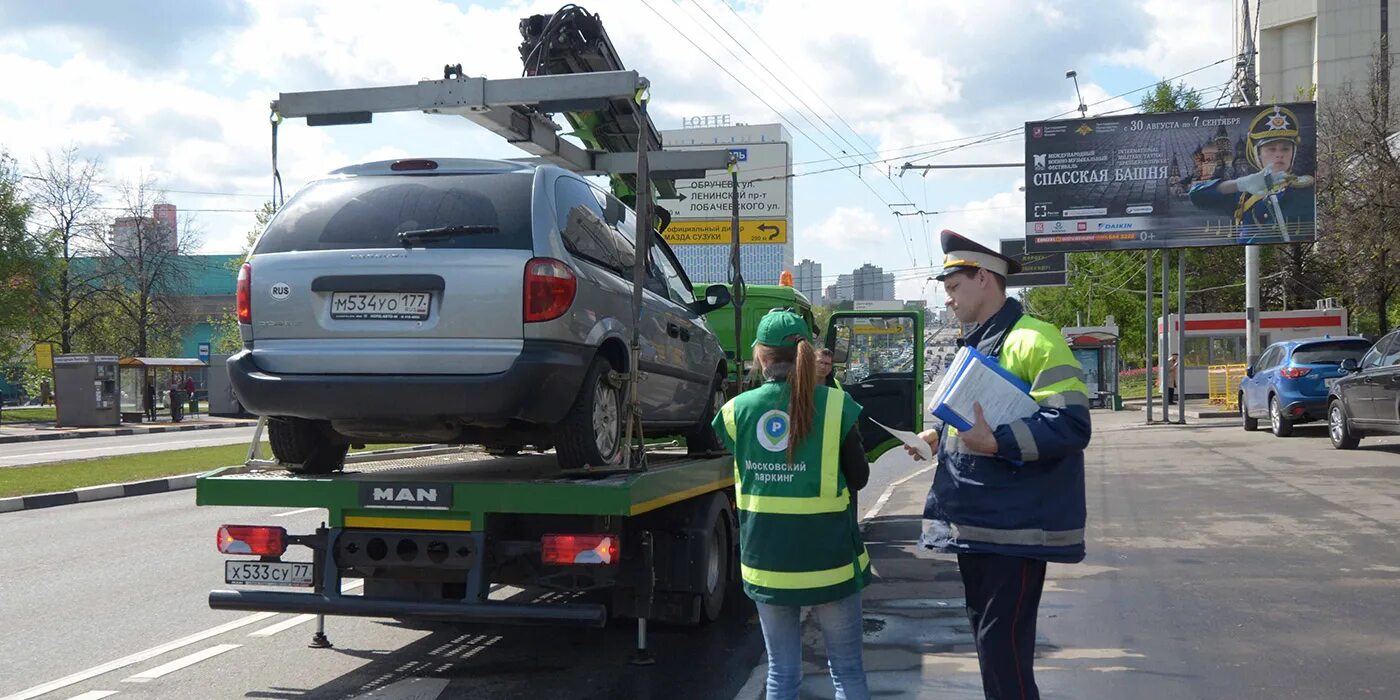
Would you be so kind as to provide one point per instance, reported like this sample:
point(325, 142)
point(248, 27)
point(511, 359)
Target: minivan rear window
point(369, 211)
point(1330, 352)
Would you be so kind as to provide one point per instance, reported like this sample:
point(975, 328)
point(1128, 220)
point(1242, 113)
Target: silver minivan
point(466, 301)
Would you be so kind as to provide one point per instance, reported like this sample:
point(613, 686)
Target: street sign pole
point(1181, 336)
point(736, 277)
point(1147, 332)
point(1165, 338)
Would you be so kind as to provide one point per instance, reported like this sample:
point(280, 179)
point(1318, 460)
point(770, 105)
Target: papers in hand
point(976, 378)
point(909, 439)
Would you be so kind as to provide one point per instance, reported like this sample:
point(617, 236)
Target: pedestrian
point(1007, 499)
point(798, 459)
point(150, 400)
point(1171, 379)
point(825, 375)
point(189, 394)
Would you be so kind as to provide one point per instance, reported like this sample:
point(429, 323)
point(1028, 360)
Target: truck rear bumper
point(588, 615)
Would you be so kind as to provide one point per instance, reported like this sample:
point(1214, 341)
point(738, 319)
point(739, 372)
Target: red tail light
point(580, 549)
point(550, 287)
point(1293, 372)
point(245, 293)
point(262, 540)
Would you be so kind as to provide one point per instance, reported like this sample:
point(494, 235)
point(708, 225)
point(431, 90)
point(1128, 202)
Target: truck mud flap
point(587, 615)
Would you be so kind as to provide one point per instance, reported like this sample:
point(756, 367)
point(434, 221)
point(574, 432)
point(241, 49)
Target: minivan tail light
point(550, 287)
point(1293, 372)
point(579, 549)
point(245, 294)
point(261, 540)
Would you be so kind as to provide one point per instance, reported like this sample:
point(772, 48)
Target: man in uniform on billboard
point(1267, 205)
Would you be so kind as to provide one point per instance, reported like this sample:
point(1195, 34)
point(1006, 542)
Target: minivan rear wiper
point(428, 234)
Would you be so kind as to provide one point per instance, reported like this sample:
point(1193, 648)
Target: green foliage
point(226, 339)
point(1165, 97)
point(22, 264)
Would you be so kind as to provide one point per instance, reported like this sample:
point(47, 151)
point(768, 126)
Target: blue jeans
point(840, 621)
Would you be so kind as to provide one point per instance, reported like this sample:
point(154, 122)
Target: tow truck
point(456, 534)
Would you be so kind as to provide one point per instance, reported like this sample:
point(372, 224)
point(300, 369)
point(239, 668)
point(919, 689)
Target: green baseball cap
point(780, 328)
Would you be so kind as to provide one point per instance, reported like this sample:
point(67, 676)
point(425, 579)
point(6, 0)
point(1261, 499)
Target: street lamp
point(1083, 108)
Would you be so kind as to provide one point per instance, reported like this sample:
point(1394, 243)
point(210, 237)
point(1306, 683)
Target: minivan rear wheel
point(306, 446)
point(592, 432)
point(701, 439)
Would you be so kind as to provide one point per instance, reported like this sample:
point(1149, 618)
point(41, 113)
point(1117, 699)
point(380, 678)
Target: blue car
point(1289, 382)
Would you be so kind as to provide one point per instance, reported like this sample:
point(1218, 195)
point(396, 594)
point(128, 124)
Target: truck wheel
point(701, 439)
point(306, 446)
point(715, 564)
point(592, 432)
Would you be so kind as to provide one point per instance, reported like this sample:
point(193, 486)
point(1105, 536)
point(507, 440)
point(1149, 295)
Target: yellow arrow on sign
point(721, 231)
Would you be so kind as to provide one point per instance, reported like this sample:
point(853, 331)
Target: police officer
point(1006, 499)
point(797, 459)
point(1263, 203)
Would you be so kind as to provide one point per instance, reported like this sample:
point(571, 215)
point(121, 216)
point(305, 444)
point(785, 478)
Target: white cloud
point(853, 228)
point(1186, 36)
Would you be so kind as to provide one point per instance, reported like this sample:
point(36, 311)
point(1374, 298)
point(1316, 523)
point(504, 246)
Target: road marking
point(138, 657)
point(281, 626)
point(183, 662)
point(94, 695)
point(408, 689)
point(294, 512)
point(885, 497)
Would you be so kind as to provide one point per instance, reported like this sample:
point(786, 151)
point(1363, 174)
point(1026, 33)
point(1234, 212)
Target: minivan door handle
point(673, 330)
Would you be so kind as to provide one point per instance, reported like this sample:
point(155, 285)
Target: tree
point(142, 269)
point(1165, 97)
point(66, 201)
point(226, 339)
point(1359, 196)
point(21, 265)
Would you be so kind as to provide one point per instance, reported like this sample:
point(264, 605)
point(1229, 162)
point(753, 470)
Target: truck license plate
point(268, 573)
point(380, 306)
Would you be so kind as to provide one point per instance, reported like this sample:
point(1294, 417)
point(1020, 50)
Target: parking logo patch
point(773, 431)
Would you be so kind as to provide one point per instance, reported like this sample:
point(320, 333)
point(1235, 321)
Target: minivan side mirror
point(716, 297)
point(1350, 365)
point(1249, 371)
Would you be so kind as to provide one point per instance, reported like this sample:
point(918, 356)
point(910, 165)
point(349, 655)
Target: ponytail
point(801, 405)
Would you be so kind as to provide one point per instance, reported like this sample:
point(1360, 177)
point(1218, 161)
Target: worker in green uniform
point(797, 460)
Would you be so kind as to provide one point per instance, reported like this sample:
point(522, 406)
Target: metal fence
point(1223, 383)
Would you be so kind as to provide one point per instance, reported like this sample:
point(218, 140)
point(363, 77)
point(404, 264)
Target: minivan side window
point(581, 225)
point(678, 290)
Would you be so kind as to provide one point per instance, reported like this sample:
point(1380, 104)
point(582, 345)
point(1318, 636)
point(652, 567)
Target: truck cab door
point(878, 358)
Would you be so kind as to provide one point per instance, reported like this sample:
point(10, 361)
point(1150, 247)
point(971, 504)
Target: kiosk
point(85, 389)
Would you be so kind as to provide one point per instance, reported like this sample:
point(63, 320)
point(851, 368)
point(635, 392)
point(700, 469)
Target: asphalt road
point(24, 453)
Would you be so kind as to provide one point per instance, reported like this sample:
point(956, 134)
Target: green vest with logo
point(799, 542)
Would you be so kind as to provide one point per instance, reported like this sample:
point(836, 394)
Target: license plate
point(268, 573)
point(380, 306)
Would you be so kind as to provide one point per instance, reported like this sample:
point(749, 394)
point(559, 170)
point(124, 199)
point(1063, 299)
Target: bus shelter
point(1096, 349)
point(159, 375)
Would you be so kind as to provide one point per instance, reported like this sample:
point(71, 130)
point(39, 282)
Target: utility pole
point(736, 277)
point(1147, 331)
point(1250, 92)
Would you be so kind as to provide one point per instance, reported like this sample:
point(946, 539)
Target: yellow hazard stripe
point(408, 523)
point(805, 579)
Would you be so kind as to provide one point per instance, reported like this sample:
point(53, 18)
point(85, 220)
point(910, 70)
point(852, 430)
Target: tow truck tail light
point(550, 287)
point(261, 540)
point(1293, 372)
point(245, 294)
point(580, 549)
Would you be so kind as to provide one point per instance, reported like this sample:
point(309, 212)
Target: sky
point(178, 90)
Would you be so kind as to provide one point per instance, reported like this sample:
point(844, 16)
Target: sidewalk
point(32, 432)
point(1195, 408)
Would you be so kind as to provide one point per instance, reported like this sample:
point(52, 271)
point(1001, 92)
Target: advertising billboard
point(1237, 176)
point(1037, 269)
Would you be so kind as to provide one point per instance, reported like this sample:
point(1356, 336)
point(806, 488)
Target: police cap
point(963, 253)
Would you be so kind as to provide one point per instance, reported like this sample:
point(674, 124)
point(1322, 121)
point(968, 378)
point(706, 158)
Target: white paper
point(909, 439)
point(1002, 402)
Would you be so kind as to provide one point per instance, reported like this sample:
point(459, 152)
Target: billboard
point(1237, 176)
point(1037, 269)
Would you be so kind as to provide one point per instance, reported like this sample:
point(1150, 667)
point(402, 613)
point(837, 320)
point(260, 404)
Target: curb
point(106, 492)
point(124, 431)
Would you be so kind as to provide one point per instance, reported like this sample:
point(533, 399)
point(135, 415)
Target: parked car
point(1367, 399)
point(466, 301)
point(1289, 383)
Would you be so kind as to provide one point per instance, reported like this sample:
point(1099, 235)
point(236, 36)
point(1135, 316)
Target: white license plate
point(380, 306)
point(268, 573)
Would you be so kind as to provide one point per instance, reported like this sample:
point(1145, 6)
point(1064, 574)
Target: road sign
point(759, 196)
point(750, 231)
point(204, 352)
point(1037, 269)
point(43, 355)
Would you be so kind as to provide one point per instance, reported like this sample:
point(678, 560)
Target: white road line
point(138, 657)
point(281, 626)
point(94, 695)
point(294, 512)
point(885, 497)
point(183, 662)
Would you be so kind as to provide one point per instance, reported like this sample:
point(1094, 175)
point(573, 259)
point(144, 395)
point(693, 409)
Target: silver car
point(466, 301)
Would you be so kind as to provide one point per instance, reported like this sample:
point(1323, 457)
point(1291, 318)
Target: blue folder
point(953, 418)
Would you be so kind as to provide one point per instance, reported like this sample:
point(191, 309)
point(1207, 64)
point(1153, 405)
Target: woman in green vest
point(797, 459)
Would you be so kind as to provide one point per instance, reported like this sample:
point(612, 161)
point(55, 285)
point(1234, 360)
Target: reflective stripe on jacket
point(798, 539)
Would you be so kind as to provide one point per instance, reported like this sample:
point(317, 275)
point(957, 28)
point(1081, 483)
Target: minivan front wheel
point(306, 446)
point(592, 432)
